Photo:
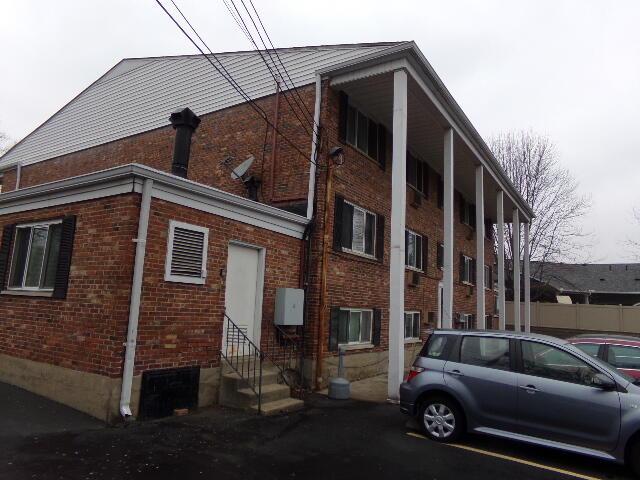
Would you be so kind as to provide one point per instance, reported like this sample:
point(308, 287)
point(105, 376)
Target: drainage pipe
point(315, 138)
point(134, 307)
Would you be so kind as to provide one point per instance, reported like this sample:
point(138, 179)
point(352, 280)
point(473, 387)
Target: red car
point(621, 351)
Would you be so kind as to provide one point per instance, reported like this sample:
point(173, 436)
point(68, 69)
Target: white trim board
point(129, 179)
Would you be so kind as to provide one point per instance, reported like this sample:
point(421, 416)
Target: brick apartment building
point(126, 237)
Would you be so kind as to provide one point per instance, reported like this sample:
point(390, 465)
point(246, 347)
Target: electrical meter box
point(289, 306)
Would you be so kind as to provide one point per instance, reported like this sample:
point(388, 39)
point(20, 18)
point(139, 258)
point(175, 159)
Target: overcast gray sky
point(568, 69)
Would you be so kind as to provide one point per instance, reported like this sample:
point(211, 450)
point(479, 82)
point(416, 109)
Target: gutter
point(134, 306)
point(314, 147)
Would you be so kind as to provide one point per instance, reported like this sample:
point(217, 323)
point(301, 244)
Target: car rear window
point(589, 348)
point(436, 347)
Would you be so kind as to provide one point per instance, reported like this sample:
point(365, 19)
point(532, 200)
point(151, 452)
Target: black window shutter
point(372, 141)
point(377, 326)
point(473, 271)
point(380, 237)
point(382, 147)
point(461, 267)
point(338, 210)
point(347, 226)
point(425, 253)
point(406, 247)
point(5, 248)
point(342, 119)
point(334, 324)
point(64, 258)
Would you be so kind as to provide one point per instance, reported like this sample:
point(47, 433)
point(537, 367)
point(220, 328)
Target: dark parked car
point(620, 351)
point(525, 387)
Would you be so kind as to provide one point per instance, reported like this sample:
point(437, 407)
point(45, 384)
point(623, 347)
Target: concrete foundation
point(95, 395)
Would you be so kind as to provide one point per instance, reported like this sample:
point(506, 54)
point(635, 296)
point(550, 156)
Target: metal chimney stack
point(185, 122)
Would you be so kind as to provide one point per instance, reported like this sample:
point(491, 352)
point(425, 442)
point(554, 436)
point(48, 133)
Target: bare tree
point(531, 162)
point(5, 143)
point(633, 244)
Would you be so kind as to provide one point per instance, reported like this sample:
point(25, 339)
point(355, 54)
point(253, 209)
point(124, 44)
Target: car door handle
point(529, 388)
point(456, 373)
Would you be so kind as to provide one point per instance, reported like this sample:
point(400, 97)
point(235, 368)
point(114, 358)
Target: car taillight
point(413, 372)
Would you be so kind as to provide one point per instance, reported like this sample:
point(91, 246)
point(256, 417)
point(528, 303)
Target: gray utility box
point(289, 306)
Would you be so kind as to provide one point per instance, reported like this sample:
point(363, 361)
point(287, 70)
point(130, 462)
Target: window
point(359, 229)
point(34, 261)
point(467, 213)
point(466, 321)
point(589, 348)
point(546, 361)
point(488, 277)
point(411, 325)
point(467, 269)
point(417, 174)
point(186, 253)
point(440, 255)
point(363, 133)
point(354, 326)
point(624, 357)
point(436, 346)
point(413, 250)
point(485, 352)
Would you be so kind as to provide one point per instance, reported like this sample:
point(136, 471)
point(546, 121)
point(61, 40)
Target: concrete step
point(276, 407)
point(234, 380)
point(270, 393)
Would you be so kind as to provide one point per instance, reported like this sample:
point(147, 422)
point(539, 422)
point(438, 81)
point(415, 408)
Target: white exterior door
point(243, 291)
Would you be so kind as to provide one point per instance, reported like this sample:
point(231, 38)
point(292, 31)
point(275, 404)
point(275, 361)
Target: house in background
point(155, 229)
point(586, 283)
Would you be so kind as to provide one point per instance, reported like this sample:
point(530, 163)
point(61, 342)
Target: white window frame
point(413, 267)
point(413, 313)
point(361, 342)
point(26, 265)
point(468, 320)
point(173, 224)
point(363, 253)
point(468, 267)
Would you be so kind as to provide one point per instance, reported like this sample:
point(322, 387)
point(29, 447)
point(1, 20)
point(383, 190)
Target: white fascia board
point(422, 72)
point(129, 178)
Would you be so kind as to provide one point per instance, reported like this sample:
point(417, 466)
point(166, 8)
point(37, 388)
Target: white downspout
point(314, 148)
point(134, 307)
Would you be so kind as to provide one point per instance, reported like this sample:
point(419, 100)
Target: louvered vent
point(187, 253)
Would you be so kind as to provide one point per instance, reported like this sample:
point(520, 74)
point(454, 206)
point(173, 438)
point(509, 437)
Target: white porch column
point(516, 270)
point(480, 316)
point(398, 212)
point(447, 280)
point(527, 281)
point(501, 282)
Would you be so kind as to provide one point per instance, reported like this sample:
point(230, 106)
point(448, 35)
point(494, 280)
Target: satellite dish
point(240, 170)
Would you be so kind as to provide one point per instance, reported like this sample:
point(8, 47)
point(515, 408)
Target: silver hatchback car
point(526, 387)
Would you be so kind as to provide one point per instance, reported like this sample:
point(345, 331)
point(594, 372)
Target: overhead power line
point(226, 75)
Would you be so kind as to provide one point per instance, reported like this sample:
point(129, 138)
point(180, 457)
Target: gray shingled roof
point(594, 277)
point(138, 95)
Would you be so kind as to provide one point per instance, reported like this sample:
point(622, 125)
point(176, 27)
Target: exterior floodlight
point(337, 155)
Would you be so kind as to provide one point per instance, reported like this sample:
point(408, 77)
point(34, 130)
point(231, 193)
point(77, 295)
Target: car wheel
point(441, 419)
point(633, 457)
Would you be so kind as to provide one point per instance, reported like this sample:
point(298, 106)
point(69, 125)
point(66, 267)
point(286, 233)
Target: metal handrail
point(247, 356)
point(285, 352)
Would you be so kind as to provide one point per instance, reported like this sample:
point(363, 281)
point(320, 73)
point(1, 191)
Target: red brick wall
point(359, 282)
point(86, 330)
point(236, 131)
point(181, 324)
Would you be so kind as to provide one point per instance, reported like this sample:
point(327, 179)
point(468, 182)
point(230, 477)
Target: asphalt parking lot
point(328, 440)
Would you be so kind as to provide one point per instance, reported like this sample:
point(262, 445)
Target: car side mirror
point(602, 381)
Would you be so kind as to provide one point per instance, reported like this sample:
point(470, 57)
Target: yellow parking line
point(512, 459)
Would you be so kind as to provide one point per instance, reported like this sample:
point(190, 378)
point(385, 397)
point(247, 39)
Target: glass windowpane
point(366, 327)
point(589, 348)
point(549, 362)
point(20, 250)
point(53, 252)
point(624, 357)
point(485, 352)
point(354, 326)
point(363, 132)
point(36, 255)
point(358, 230)
point(411, 250)
point(351, 125)
point(416, 325)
